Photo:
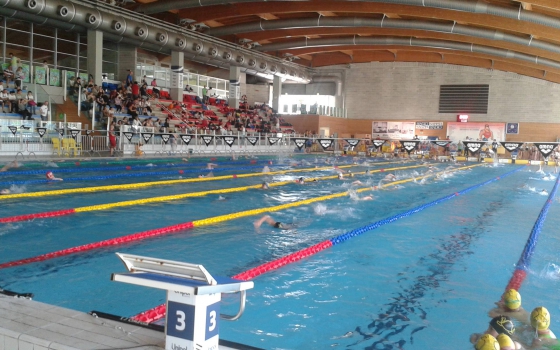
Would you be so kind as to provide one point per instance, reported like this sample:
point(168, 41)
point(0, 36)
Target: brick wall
point(410, 91)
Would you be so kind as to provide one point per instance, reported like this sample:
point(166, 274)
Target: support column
point(95, 55)
point(276, 92)
point(177, 61)
point(234, 87)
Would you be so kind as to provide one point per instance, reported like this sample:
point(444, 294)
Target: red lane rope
point(46, 214)
point(100, 244)
point(158, 312)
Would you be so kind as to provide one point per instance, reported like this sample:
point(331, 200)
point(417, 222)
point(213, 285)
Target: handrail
point(241, 308)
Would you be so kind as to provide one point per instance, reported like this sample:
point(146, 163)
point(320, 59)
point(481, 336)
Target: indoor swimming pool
point(424, 280)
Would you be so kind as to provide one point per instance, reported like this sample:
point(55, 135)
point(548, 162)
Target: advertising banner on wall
point(429, 125)
point(393, 130)
point(476, 131)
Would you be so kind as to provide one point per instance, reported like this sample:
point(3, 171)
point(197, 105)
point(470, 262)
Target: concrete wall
point(257, 93)
point(410, 91)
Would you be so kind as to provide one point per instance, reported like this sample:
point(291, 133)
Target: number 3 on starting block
point(195, 319)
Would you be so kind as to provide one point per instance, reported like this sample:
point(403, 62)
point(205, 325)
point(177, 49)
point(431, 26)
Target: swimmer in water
point(300, 181)
point(210, 174)
point(510, 305)
point(540, 323)
point(211, 166)
point(498, 325)
point(389, 177)
point(273, 223)
point(50, 177)
point(487, 342)
point(4, 191)
point(544, 192)
point(265, 186)
point(10, 165)
point(266, 169)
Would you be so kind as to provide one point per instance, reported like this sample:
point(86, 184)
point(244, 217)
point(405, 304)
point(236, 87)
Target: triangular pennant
point(441, 143)
point(273, 140)
point(165, 138)
point(207, 139)
point(299, 143)
point(128, 136)
point(74, 133)
point(252, 140)
point(353, 142)
point(229, 140)
point(511, 146)
point(409, 146)
point(41, 132)
point(61, 132)
point(88, 132)
point(545, 148)
point(474, 146)
point(147, 136)
point(13, 129)
point(378, 143)
point(325, 143)
point(186, 139)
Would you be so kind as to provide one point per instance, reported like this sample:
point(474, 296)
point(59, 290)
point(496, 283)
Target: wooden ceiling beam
point(359, 49)
point(278, 7)
point(267, 16)
point(273, 35)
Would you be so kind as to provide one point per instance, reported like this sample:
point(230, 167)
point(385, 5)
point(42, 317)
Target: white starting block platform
point(193, 298)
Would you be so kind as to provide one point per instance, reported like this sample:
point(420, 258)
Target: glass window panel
point(149, 72)
point(109, 68)
point(67, 47)
point(110, 56)
point(66, 61)
point(18, 25)
point(67, 35)
point(18, 38)
point(83, 63)
point(40, 55)
point(46, 30)
point(43, 42)
point(110, 45)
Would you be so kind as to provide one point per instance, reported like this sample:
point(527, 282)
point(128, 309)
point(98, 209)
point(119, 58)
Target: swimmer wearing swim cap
point(505, 342)
point(300, 181)
point(498, 325)
point(487, 342)
point(50, 176)
point(510, 305)
point(540, 321)
point(5, 191)
point(273, 223)
point(265, 186)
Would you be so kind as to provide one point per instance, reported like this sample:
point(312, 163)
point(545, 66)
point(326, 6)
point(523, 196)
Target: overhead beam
point(358, 7)
point(267, 16)
point(327, 14)
point(357, 49)
point(276, 35)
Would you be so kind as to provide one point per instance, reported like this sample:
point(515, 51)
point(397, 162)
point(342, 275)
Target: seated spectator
point(19, 76)
point(22, 109)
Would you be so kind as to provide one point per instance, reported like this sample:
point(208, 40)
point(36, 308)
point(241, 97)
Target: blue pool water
point(426, 281)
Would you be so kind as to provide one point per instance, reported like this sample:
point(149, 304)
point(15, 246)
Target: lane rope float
point(188, 225)
point(107, 206)
point(158, 312)
point(524, 262)
point(138, 185)
point(127, 167)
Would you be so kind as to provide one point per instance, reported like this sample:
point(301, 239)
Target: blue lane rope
point(356, 232)
point(525, 258)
